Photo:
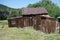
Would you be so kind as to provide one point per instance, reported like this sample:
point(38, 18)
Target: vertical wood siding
point(44, 24)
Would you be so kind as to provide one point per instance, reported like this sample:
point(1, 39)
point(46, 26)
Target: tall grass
point(3, 22)
point(27, 33)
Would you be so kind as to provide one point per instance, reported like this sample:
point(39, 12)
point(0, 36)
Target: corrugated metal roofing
point(28, 11)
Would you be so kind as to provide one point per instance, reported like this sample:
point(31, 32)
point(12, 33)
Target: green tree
point(53, 9)
point(12, 12)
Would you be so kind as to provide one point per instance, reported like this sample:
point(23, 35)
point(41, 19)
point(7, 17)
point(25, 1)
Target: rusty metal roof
point(29, 11)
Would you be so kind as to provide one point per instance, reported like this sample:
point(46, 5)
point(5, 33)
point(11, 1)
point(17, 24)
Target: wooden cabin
point(37, 18)
point(32, 14)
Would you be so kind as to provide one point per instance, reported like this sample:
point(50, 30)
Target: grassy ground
point(27, 33)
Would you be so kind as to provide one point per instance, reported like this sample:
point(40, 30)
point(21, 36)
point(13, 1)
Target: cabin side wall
point(47, 25)
point(12, 23)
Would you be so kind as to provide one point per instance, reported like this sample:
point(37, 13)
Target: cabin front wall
point(20, 22)
point(28, 21)
point(36, 22)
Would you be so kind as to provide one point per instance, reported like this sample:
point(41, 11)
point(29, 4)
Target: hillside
point(12, 12)
point(5, 8)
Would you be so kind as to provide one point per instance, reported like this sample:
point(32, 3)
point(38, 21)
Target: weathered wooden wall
point(47, 25)
point(20, 22)
point(44, 24)
point(28, 21)
point(10, 23)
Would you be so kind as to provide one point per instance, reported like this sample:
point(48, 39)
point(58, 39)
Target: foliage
point(53, 9)
point(11, 11)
